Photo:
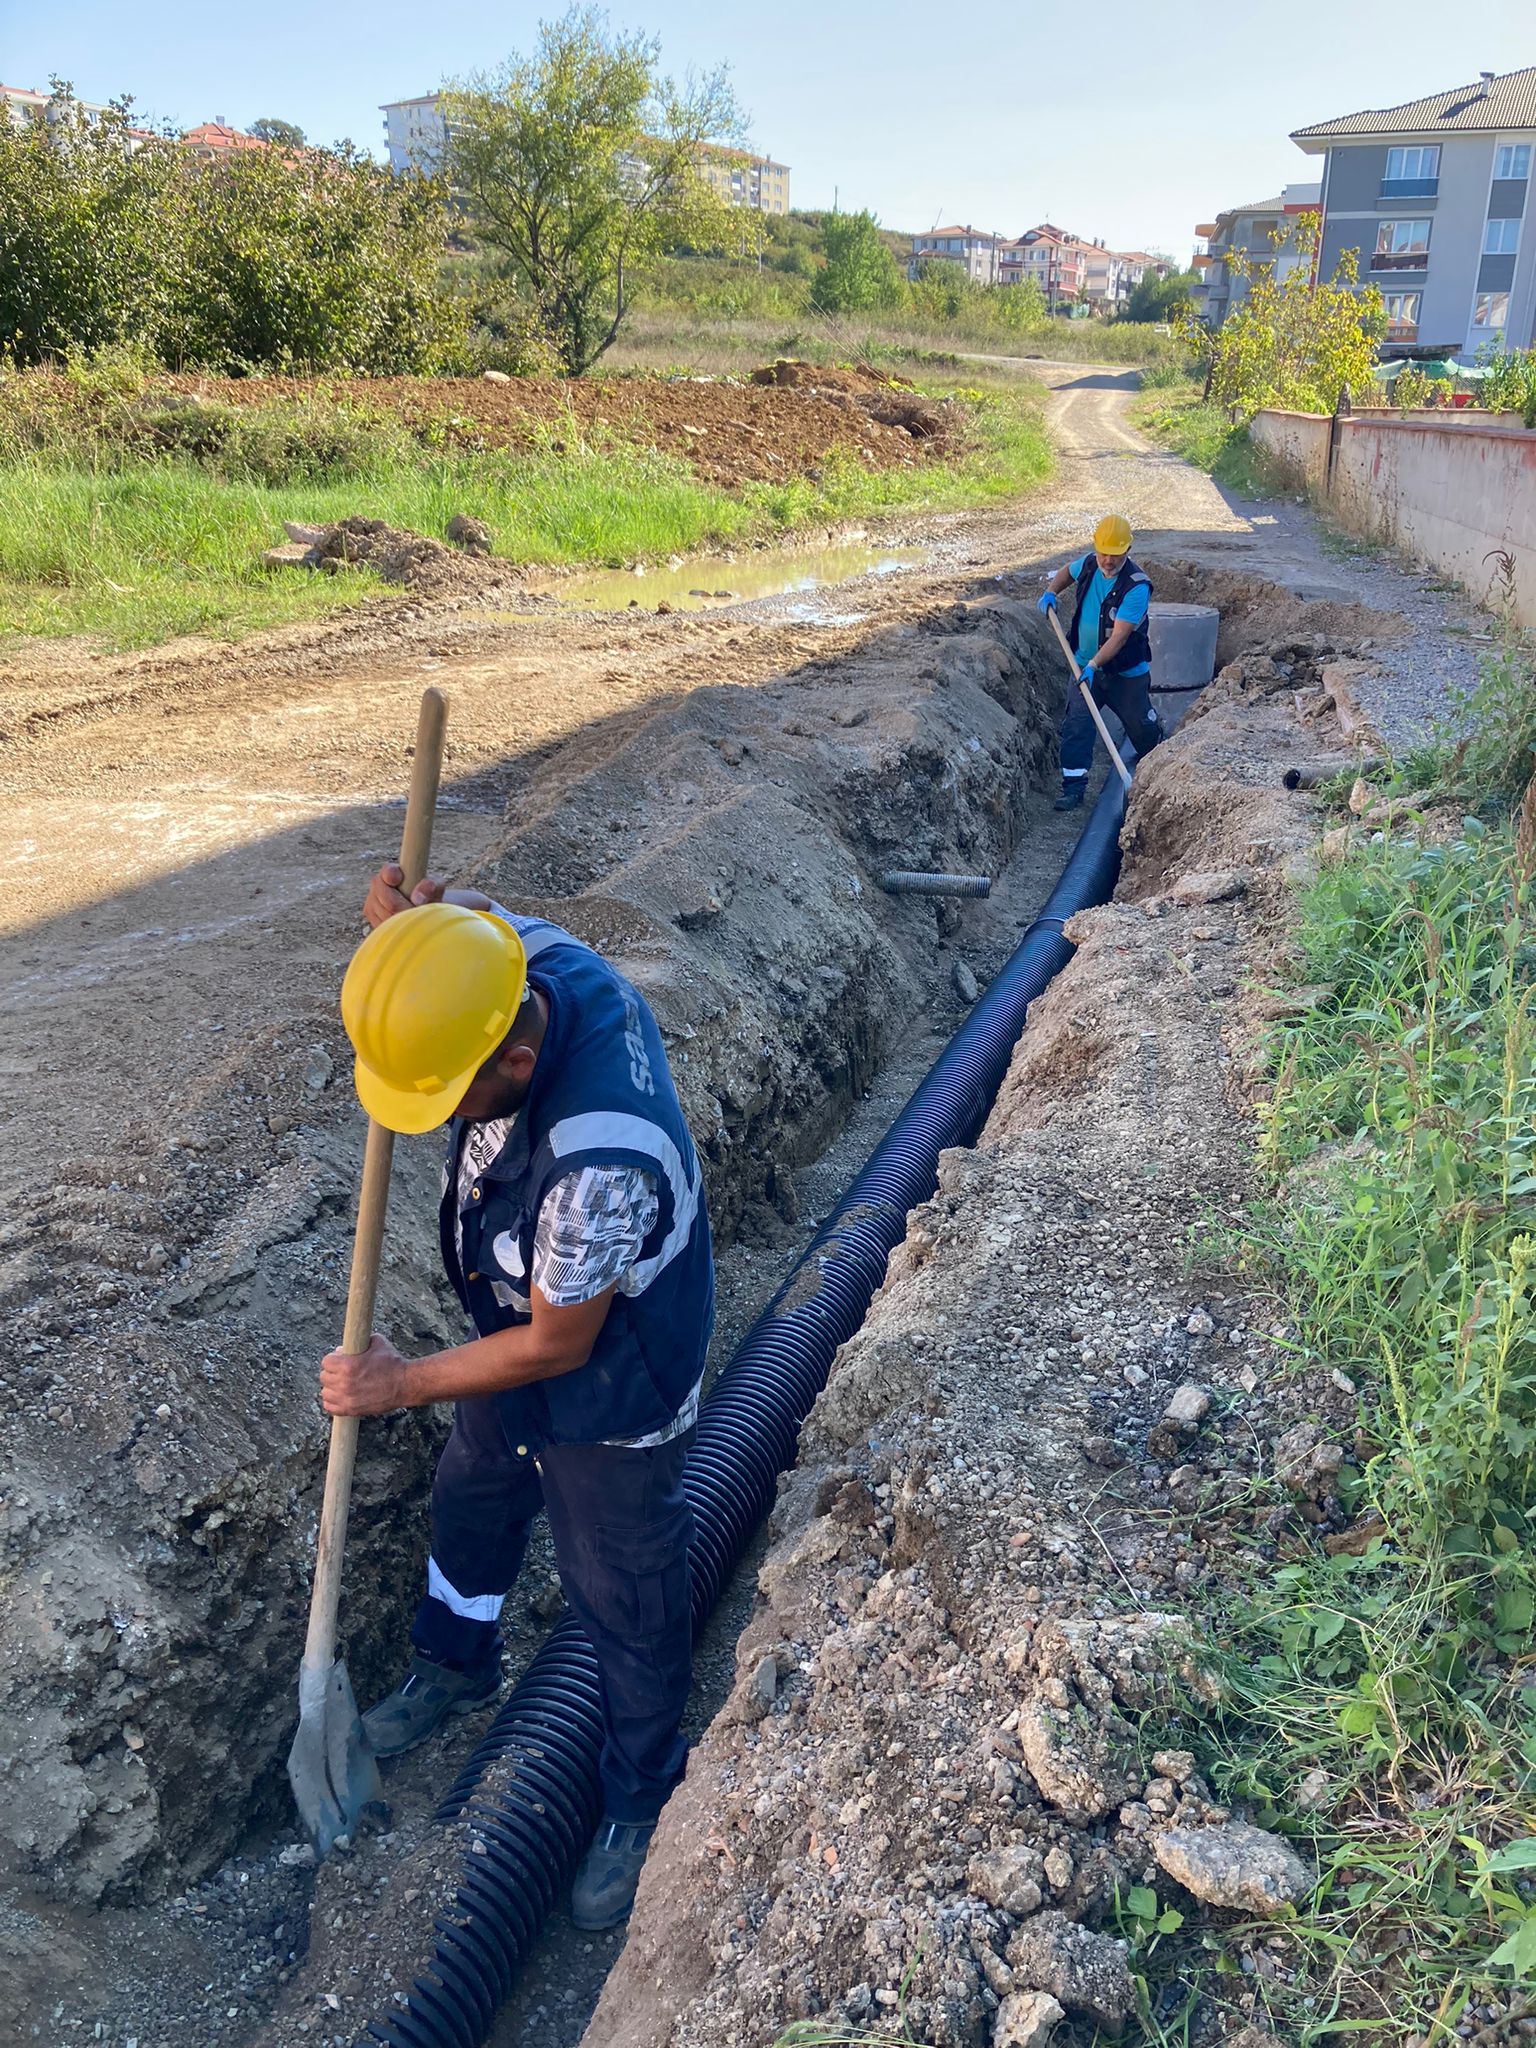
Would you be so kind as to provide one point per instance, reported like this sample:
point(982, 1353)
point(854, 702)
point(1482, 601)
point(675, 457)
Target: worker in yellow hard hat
point(573, 1230)
point(1108, 634)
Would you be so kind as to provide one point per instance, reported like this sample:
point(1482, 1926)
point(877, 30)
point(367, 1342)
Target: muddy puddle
point(706, 580)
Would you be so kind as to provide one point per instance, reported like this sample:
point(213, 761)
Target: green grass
point(131, 550)
point(1205, 436)
point(1400, 1247)
point(663, 337)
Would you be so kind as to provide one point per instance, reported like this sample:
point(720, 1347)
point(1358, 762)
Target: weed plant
point(1384, 1693)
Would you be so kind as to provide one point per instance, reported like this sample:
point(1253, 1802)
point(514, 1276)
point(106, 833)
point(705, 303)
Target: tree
point(583, 165)
point(283, 133)
point(89, 231)
point(1294, 341)
point(860, 271)
point(1158, 298)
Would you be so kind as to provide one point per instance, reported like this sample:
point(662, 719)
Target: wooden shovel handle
point(1093, 710)
point(368, 1238)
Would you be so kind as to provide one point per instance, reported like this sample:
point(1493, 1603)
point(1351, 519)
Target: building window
point(1402, 315)
point(1492, 310)
point(1413, 163)
point(1501, 238)
point(1513, 160)
point(1402, 238)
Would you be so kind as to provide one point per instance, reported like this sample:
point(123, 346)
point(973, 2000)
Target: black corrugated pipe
point(535, 1826)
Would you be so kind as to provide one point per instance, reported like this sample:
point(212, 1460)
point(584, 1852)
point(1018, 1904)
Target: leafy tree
point(1293, 342)
point(283, 133)
point(1158, 298)
point(324, 262)
point(860, 271)
point(89, 232)
point(583, 164)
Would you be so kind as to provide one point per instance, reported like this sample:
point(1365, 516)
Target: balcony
point(1409, 188)
point(1416, 259)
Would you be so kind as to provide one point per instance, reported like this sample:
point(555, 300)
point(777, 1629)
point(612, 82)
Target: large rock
point(1083, 1762)
point(1234, 1865)
point(1026, 2019)
point(1009, 1879)
point(1085, 1971)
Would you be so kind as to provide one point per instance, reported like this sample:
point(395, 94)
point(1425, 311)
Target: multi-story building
point(1051, 258)
point(755, 181)
point(973, 249)
point(214, 141)
point(416, 135)
point(1262, 233)
point(20, 104)
point(1434, 194)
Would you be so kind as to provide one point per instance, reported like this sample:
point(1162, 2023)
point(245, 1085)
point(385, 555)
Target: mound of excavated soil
point(728, 433)
point(412, 560)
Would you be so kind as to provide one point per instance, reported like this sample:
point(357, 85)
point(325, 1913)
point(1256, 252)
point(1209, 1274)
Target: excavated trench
point(724, 849)
point(743, 902)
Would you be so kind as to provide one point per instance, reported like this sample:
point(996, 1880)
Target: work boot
point(610, 1871)
point(1072, 791)
point(423, 1700)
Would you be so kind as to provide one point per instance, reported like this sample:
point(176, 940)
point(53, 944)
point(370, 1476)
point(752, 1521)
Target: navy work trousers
point(1130, 700)
point(621, 1529)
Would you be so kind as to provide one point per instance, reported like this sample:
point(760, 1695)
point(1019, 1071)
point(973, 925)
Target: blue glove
point(1047, 601)
point(1088, 673)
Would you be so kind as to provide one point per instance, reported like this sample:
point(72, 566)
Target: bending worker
point(573, 1229)
point(1108, 634)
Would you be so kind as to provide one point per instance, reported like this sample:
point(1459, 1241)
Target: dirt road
point(185, 838)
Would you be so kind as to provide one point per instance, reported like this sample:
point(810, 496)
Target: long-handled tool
point(1093, 710)
point(330, 1766)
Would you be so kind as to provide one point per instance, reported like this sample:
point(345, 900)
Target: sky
point(1125, 124)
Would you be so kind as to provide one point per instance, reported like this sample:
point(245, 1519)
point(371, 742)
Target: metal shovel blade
point(331, 1767)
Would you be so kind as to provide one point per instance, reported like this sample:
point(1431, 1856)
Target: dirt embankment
point(728, 432)
point(169, 1292)
point(966, 1708)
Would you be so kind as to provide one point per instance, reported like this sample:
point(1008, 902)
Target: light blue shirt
point(1133, 611)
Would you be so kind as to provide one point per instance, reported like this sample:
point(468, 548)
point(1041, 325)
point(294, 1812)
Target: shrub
point(312, 262)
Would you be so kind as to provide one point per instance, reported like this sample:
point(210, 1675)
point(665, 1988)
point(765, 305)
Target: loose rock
point(1235, 1865)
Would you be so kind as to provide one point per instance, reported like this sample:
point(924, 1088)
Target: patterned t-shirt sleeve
point(591, 1226)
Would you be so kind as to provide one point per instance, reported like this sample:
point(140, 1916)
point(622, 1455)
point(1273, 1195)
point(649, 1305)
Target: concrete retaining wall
point(1297, 444)
point(1447, 494)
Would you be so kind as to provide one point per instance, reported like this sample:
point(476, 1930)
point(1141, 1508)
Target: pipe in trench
point(534, 1828)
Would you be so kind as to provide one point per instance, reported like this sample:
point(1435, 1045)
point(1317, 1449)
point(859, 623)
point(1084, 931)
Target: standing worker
point(573, 1229)
point(1108, 634)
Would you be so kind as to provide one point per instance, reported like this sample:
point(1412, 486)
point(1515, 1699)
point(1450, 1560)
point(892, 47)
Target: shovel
point(331, 1768)
point(1094, 712)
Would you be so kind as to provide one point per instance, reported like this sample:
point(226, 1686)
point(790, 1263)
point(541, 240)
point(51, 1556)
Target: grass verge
point(1381, 1702)
point(133, 548)
point(1205, 436)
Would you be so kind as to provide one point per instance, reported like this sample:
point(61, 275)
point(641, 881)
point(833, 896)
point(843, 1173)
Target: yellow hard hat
point(1112, 535)
point(427, 999)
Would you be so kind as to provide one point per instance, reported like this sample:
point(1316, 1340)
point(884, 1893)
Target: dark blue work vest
point(1137, 650)
point(601, 1095)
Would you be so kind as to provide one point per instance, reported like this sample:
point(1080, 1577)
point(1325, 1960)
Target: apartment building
point(1261, 233)
point(1051, 258)
point(20, 104)
point(216, 141)
point(414, 133)
point(755, 181)
point(973, 249)
point(1434, 195)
